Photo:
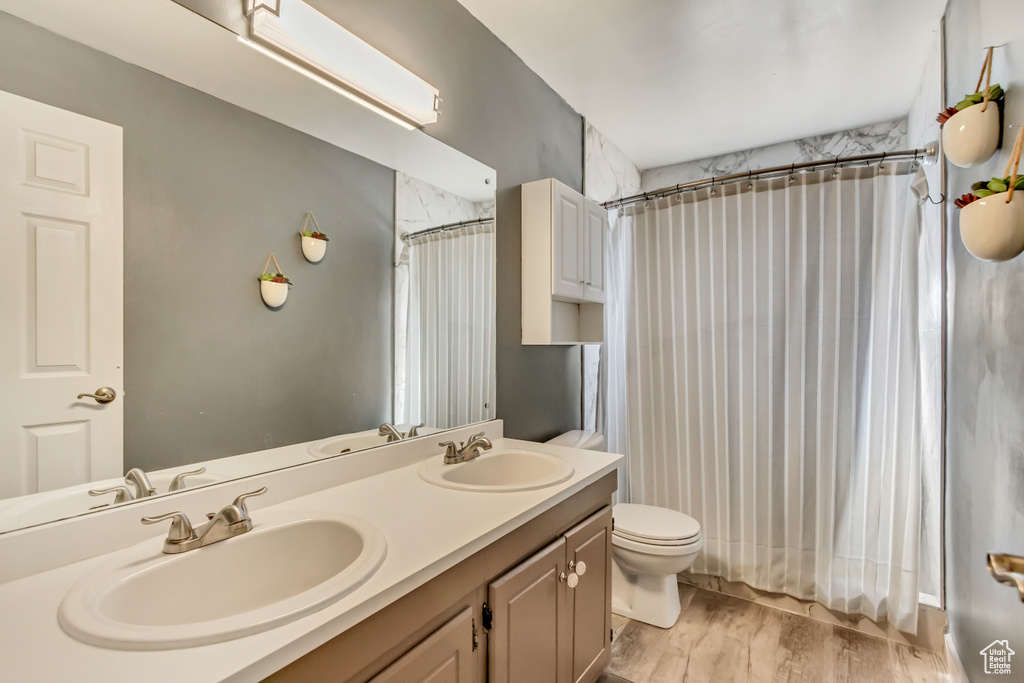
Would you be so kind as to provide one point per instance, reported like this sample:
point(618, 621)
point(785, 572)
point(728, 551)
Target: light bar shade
point(303, 34)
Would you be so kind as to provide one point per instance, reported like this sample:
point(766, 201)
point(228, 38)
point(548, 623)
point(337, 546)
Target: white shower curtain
point(444, 326)
point(765, 375)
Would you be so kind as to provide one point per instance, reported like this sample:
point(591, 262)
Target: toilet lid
point(654, 523)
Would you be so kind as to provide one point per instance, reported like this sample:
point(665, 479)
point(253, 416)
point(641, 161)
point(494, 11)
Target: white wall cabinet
point(564, 236)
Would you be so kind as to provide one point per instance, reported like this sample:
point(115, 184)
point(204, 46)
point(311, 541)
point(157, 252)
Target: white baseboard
point(953, 663)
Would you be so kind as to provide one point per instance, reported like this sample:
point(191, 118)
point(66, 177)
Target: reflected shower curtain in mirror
point(768, 357)
point(444, 328)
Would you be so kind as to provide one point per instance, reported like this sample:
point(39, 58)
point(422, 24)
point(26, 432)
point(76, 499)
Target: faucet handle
point(178, 483)
point(478, 435)
point(451, 451)
point(240, 501)
point(415, 430)
point(124, 494)
point(181, 528)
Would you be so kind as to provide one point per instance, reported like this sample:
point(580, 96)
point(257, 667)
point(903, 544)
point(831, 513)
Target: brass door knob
point(102, 395)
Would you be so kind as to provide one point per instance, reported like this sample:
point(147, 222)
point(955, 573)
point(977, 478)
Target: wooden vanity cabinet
point(505, 603)
point(549, 623)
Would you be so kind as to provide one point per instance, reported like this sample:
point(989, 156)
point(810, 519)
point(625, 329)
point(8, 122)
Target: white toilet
point(650, 545)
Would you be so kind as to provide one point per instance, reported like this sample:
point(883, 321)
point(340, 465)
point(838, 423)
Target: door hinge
point(488, 616)
point(476, 637)
point(611, 635)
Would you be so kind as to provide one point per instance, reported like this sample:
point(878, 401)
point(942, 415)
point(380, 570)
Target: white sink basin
point(288, 566)
point(498, 471)
point(47, 506)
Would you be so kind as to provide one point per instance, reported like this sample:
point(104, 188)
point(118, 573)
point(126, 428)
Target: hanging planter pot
point(992, 215)
point(972, 130)
point(274, 286)
point(314, 242)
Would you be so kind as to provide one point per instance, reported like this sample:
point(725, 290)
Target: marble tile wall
point(886, 136)
point(420, 205)
point(609, 173)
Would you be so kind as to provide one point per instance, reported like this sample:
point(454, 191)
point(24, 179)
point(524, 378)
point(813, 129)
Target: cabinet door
point(596, 234)
point(590, 603)
point(445, 657)
point(530, 640)
point(567, 234)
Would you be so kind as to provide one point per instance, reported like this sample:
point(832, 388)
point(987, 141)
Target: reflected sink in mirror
point(38, 508)
point(288, 566)
point(498, 470)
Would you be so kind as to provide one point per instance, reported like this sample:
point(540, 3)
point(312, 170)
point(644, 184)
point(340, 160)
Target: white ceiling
point(674, 80)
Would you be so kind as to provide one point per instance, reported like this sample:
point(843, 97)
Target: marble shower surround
point(609, 173)
point(887, 136)
point(419, 205)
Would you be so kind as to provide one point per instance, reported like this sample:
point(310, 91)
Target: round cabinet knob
point(578, 567)
point(573, 580)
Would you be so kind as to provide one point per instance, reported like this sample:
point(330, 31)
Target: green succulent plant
point(987, 188)
point(994, 93)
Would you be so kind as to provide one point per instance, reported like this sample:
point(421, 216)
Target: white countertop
point(429, 530)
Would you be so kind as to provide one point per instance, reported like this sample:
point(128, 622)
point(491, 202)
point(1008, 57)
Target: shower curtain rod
point(406, 236)
point(927, 155)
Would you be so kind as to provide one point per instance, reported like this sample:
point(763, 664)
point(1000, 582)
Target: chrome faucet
point(138, 479)
point(122, 494)
point(178, 483)
point(474, 446)
point(389, 431)
point(232, 520)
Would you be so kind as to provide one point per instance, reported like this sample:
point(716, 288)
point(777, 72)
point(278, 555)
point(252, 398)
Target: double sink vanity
point(384, 564)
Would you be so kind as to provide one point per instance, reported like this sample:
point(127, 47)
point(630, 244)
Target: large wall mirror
point(218, 152)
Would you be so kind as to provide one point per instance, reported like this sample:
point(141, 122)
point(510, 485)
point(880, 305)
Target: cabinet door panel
point(591, 601)
point(444, 657)
point(566, 243)
point(596, 234)
point(531, 633)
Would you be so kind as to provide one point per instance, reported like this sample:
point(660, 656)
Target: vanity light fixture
point(302, 38)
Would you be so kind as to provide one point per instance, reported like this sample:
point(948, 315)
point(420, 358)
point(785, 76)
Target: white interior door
point(61, 299)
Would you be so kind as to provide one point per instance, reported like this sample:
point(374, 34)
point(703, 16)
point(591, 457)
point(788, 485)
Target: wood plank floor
point(723, 639)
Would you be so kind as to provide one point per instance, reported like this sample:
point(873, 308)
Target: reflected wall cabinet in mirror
point(151, 156)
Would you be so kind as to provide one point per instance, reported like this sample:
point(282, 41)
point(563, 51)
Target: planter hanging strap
point(987, 70)
point(275, 265)
point(309, 214)
point(1018, 147)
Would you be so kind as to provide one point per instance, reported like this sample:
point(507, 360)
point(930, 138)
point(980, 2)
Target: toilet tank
point(580, 438)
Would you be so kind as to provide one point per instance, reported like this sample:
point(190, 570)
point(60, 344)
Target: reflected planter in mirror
point(314, 248)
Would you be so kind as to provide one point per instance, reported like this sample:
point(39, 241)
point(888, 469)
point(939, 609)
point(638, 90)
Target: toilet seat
point(687, 548)
point(673, 542)
point(654, 525)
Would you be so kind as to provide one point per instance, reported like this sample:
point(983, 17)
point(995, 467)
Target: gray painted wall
point(497, 111)
point(985, 432)
point(210, 190)
point(206, 203)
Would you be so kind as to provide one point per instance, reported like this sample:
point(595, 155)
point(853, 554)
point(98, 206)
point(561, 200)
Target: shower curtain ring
point(942, 198)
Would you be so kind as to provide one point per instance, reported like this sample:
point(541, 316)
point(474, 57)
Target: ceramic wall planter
point(273, 286)
point(314, 242)
point(970, 137)
point(274, 293)
point(313, 249)
point(992, 223)
point(992, 229)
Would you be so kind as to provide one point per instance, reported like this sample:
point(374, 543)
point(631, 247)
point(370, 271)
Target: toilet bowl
point(650, 545)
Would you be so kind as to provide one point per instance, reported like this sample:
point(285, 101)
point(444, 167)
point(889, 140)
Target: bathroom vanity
point(474, 586)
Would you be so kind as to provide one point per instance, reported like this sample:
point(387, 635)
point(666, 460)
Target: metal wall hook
point(942, 198)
